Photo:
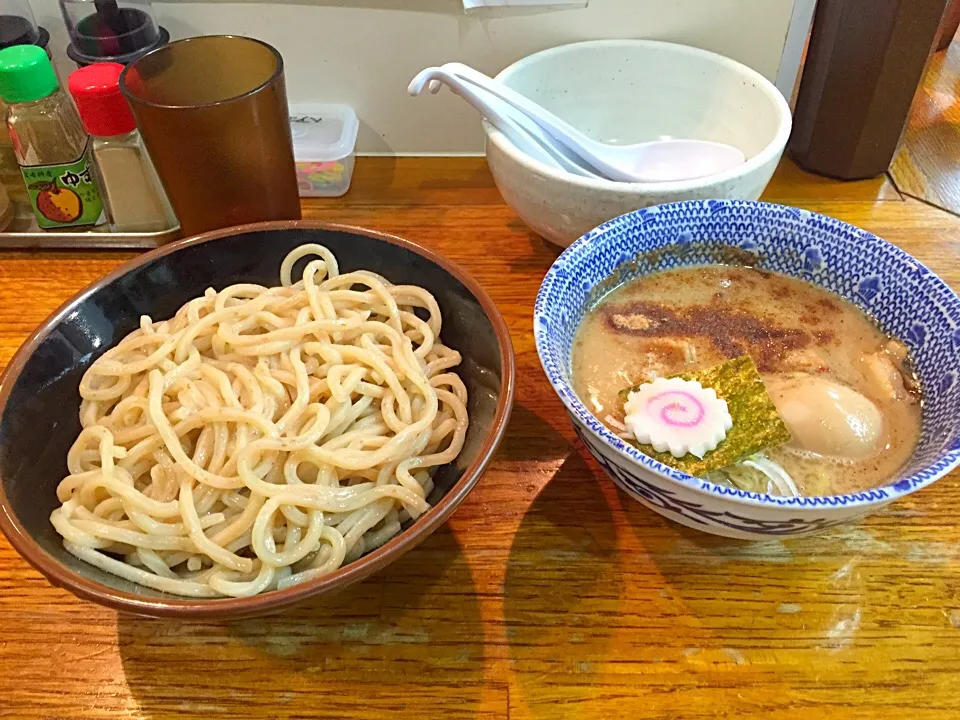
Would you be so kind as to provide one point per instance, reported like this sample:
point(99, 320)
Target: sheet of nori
point(756, 423)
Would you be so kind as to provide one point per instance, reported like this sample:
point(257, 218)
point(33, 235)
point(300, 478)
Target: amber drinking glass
point(213, 113)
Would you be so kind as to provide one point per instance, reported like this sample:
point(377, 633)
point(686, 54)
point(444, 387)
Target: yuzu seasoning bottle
point(49, 141)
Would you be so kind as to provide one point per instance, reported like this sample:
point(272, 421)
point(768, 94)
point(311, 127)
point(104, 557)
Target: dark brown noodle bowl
point(39, 399)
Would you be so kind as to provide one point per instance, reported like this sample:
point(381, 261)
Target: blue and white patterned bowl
point(906, 299)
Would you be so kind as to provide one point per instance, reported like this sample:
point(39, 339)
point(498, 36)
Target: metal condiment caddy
point(83, 171)
point(65, 188)
point(24, 234)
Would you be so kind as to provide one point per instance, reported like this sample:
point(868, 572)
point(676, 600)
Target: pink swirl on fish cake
point(677, 408)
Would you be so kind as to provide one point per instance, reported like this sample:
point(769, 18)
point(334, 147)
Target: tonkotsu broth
point(692, 318)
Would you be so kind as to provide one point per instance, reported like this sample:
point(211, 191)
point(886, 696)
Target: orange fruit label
point(64, 195)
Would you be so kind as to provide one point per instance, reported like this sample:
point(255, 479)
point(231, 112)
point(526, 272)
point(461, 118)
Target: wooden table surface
point(927, 166)
point(549, 595)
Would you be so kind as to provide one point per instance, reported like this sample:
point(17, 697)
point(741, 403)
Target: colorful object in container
point(324, 139)
point(315, 175)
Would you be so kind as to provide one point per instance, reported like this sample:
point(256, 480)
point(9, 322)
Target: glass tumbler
point(213, 113)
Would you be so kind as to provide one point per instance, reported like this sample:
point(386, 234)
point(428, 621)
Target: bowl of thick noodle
point(236, 422)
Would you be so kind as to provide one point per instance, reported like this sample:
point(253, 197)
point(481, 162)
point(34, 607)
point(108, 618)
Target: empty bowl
point(39, 397)
point(631, 91)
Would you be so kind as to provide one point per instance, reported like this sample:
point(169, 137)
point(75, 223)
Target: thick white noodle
point(262, 437)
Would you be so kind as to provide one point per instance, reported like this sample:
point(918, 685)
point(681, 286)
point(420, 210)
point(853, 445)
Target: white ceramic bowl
point(905, 298)
point(630, 91)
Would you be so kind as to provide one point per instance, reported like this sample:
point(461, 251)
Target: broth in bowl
point(844, 390)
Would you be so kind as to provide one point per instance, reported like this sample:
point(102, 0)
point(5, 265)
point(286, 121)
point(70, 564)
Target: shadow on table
point(540, 252)
point(532, 439)
point(406, 641)
point(562, 585)
point(807, 593)
point(612, 609)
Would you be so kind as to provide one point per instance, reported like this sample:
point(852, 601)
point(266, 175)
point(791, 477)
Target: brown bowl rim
point(185, 608)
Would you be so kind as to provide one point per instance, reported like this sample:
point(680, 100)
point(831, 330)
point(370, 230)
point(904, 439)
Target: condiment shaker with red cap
point(132, 193)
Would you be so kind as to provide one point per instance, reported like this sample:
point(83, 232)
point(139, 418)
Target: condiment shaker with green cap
point(49, 140)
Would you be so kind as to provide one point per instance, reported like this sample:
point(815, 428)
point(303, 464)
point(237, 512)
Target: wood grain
point(948, 25)
point(927, 166)
point(549, 595)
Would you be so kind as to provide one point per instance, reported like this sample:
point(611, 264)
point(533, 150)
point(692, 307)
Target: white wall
point(364, 52)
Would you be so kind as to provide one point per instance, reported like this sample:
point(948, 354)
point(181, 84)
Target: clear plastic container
point(18, 26)
point(111, 30)
point(324, 140)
